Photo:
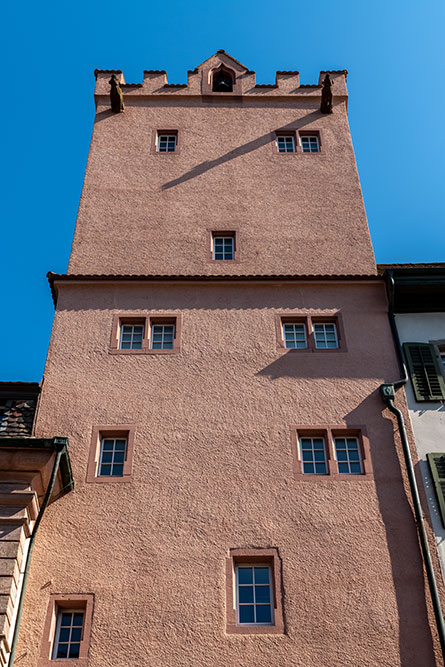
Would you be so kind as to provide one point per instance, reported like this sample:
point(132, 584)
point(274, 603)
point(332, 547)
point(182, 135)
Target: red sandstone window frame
point(297, 134)
point(154, 142)
point(257, 556)
point(309, 319)
point(329, 433)
point(232, 233)
point(147, 319)
point(99, 432)
point(58, 602)
point(310, 133)
point(207, 82)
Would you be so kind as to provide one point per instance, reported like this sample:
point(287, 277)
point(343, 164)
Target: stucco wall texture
point(213, 470)
point(143, 212)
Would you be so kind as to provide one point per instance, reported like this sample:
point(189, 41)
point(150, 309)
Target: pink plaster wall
point(213, 470)
point(142, 212)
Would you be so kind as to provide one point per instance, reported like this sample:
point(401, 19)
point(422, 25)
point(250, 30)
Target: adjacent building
point(218, 345)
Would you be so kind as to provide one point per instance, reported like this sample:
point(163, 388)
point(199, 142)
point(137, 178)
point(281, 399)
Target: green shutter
point(437, 466)
point(426, 376)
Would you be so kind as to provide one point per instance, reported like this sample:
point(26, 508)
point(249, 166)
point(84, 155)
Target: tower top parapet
point(222, 76)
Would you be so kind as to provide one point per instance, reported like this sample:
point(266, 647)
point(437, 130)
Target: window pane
point(246, 614)
point(76, 634)
point(62, 651)
point(245, 575)
point(261, 575)
point(308, 467)
point(64, 634)
point(245, 594)
point(263, 614)
point(118, 470)
point(74, 651)
point(66, 619)
point(262, 594)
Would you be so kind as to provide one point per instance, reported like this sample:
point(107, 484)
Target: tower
point(218, 344)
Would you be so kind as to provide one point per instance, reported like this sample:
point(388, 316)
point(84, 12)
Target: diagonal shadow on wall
point(238, 152)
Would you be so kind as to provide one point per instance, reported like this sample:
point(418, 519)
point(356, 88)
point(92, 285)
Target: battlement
point(242, 82)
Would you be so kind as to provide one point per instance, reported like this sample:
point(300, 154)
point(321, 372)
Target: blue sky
point(395, 57)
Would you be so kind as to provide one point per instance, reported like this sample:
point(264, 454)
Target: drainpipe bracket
point(387, 392)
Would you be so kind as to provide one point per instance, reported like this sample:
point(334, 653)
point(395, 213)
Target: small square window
point(112, 457)
point(349, 460)
point(167, 142)
point(68, 636)
point(294, 335)
point(313, 456)
point(325, 335)
point(162, 336)
point(223, 246)
point(111, 453)
point(131, 336)
point(254, 595)
point(310, 143)
point(286, 143)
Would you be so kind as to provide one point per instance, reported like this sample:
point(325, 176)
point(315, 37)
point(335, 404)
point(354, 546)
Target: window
point(334, 451)
point(253, 593)
point(436, 462)
point(313, 455)
point(67, 629)
point(223, 246)
point(325, 334)
point(131, 336)
point(112, 456)
point(111, 453)
point(162, 336)
point(147, 334)
point(68, 637)
point(348, 456)
point(167, 142)
point(294, 335)
point(302, 332)
point(425, 371)
point(286, 143)
point(309, 144)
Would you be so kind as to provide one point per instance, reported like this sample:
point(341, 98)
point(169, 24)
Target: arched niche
point(222, 79)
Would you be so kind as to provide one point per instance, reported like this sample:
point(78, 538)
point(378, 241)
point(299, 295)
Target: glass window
point(131, 336)
point(112, 457)
point(349, 459)
point(223, 247)
point(313, 455)
point(166, 143)
point(286, 144)
point(310, 144)
point(69, 631)
point(162, 336)
point(325, 335)
point(254, 595)
point(294, 335)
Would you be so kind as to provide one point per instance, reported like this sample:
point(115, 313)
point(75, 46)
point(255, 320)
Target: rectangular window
point(426, 374)
point(167, 143)
point(223, 247)
point(112, 457)
point(347, 451)
point(111, 453)
point(334, 451)
point(286, 143)
point(69, 632)
point(436, 462)
point(162, 336)
point(313, 456)
point(294, 335)
point(310, 143)
point(253, 591)
point(254, 595)
point(325, 335)
point(131, 336)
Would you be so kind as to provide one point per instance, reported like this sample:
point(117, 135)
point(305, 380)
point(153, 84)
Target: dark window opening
point(222, 82)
